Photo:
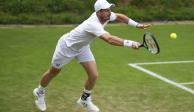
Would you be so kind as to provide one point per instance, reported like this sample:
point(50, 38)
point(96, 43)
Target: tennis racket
point(150, 43)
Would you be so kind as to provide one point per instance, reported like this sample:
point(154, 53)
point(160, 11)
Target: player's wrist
point(128, 43)
point(132, 23)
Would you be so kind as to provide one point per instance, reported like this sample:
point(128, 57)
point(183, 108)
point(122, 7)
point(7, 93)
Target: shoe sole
point(85, 106)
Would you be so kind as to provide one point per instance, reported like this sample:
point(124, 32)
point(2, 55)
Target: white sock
point(87, 91)
point(85, 94)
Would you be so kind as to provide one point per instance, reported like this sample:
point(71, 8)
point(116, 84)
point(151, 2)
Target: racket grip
point(141, 45)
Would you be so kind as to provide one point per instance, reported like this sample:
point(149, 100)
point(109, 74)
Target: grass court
point(25, 53)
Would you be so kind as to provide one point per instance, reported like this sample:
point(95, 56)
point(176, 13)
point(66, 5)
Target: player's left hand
point(143, 26)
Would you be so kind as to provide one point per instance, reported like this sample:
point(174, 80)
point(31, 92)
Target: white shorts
point(63, 54)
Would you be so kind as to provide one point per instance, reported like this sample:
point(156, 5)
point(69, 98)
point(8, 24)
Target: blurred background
point(75, 11)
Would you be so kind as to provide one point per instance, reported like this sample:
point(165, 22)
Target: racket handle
point(141, 45)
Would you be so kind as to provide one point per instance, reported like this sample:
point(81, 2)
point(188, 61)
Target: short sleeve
point(113, 16)
point(95, 29)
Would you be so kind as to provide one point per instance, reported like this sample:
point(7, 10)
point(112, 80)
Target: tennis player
point(76, 44)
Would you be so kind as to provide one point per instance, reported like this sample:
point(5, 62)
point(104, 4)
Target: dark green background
point(75, 11)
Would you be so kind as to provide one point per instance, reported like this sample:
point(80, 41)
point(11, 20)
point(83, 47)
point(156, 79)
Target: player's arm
point(114, 40)
point(124, 19)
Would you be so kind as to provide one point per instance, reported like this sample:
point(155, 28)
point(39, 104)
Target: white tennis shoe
point(88, 104)
point(40, 102)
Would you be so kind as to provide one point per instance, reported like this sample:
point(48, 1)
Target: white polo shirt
point(86, 32)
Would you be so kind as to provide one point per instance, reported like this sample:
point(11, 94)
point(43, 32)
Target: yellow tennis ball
point(173, 35)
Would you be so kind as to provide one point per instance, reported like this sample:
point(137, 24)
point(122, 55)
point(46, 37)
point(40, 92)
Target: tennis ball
point(173, 35)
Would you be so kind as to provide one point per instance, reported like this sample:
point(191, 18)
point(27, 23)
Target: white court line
point(167, 62)
point(186, 83)
point(135, 65)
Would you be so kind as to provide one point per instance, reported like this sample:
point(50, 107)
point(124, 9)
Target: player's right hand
point(135, 45)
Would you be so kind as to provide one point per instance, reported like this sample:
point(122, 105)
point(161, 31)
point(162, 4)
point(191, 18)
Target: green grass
point(25, 53)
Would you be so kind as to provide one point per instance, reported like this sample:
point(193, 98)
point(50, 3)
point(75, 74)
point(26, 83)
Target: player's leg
point(87, 60)
point(39, 92)
point(85, 99)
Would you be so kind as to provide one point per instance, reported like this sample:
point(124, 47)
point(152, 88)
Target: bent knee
point(94, 76)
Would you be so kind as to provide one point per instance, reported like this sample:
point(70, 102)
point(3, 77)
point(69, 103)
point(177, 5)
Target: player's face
point(105, 14)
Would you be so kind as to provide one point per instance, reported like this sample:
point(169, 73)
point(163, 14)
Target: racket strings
point(151, 45)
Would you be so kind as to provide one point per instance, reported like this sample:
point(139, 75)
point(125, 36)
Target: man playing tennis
point(76, 44)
